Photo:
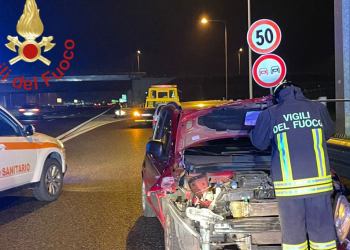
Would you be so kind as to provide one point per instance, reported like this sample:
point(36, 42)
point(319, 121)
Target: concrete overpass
point(95, 88)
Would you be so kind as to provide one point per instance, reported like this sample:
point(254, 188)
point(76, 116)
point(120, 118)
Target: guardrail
point(339, 156)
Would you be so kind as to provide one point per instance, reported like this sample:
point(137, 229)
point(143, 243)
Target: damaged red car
point(208, 185)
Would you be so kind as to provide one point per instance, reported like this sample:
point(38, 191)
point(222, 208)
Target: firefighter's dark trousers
point(300, 217)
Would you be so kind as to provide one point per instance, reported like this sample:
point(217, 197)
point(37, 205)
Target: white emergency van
point(29, 160)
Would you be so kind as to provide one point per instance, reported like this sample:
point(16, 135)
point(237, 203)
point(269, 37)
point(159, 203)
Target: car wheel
point(146, 207)
point(171, 241)
point(50, 185)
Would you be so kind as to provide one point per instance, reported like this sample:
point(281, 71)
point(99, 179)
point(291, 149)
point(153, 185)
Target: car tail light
point(154, 122)
point(35, 110)
point(21, 110)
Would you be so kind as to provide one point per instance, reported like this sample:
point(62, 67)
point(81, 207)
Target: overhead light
point(204, 20)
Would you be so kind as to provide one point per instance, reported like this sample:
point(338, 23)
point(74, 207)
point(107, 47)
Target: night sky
point(108, 33)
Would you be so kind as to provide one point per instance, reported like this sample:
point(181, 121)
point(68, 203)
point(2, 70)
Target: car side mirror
point(154, 147)
point(28, 130)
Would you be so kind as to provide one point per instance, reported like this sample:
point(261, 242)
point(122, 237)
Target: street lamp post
point(250, 58)
point(239, 60)
point(205, 21)
point(138, 60)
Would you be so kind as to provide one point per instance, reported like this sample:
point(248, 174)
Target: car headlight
point(136, 113)
point(342, 217)
point(117, 112)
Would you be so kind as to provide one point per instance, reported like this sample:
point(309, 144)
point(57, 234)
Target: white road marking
point(51, 120)
point(79, 126)
point(89, 129)
point(64, 117)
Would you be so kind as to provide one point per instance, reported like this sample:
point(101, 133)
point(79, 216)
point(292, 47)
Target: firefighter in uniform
point(297, 130)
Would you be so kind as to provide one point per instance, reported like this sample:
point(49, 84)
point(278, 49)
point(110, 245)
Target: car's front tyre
point(51, 181)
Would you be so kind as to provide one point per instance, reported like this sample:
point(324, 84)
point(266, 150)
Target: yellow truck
point(157, 94)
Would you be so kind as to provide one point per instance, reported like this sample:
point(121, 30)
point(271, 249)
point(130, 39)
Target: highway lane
point(57, 122)
point(100, 207)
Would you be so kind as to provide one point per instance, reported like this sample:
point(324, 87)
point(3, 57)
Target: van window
point(153, 94)
point(162, 94)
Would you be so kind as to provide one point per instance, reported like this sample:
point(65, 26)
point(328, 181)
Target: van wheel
point(51, 181)
point(146, 207)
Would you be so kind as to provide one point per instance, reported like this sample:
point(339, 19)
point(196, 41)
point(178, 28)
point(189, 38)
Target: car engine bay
point(231, 208)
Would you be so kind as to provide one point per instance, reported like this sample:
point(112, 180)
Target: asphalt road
point(59, 121)
point(100, 206)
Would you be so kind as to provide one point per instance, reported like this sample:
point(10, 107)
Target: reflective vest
point(297, 129)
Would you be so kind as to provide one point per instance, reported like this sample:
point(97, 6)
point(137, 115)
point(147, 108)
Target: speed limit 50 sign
point(264, 36)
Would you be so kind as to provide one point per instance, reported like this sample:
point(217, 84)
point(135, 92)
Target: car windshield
point(159, 108)
point(229, 153)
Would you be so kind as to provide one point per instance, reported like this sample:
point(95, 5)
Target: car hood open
point(224, 121)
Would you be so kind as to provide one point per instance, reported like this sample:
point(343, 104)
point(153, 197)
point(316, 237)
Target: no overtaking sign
point(269, 70)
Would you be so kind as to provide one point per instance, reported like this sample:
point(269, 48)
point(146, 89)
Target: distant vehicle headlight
point(120, 112)
point(342, 217)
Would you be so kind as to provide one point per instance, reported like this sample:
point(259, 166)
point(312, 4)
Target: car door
point(18, 154)
point(154, 166)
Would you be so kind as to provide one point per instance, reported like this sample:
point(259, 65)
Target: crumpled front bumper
point(248, 225)
point(247, 231)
